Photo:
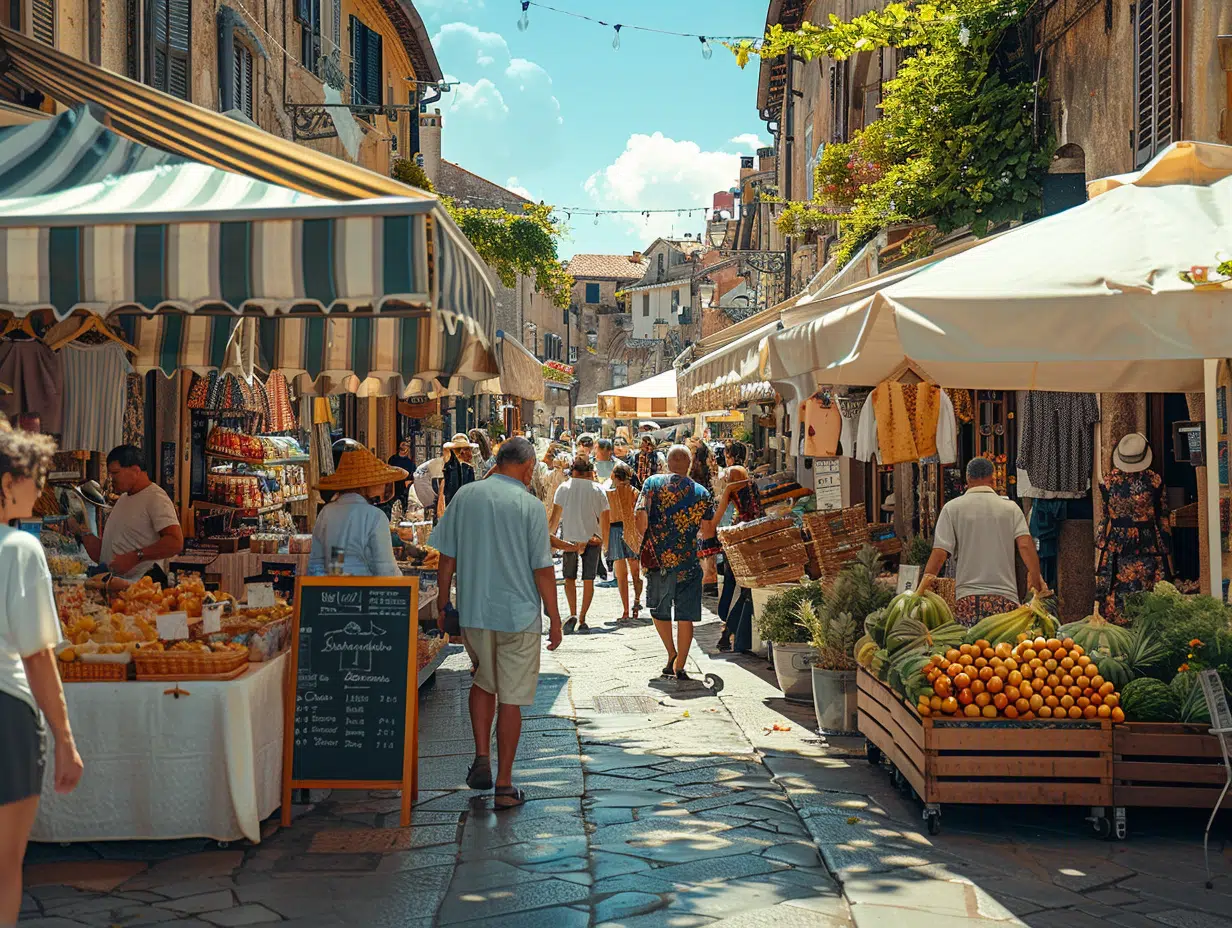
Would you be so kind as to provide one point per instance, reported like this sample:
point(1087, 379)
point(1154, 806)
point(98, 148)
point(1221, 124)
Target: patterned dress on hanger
point(1133, 553)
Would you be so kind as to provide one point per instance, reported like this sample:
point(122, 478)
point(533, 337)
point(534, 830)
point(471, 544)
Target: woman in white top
point(29, 681)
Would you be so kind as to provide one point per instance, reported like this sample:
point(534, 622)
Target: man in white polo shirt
point(981, 529)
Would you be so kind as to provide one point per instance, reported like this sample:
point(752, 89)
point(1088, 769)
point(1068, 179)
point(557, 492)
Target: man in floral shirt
point(671, 511)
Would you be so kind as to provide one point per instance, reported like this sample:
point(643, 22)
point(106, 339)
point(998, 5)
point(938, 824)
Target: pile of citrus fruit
point(1039, 678)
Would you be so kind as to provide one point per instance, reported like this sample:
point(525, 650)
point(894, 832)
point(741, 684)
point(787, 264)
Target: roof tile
point(605, 267)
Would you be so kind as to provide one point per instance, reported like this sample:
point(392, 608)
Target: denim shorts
point(23, 758)
point(617, 548)
point(665, 589)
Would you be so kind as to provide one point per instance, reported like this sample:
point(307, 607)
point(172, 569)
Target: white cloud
point(435, 9)
point(750, 139)
point(506, 107)
point(513, 186)
point(656, 172)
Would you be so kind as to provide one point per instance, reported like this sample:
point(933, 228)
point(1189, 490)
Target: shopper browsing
point(580, 511)
point(143, 529)
point(29, 680)
point(351, 535)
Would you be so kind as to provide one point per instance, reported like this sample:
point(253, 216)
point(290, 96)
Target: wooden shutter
point(357, 59)
point(170, 38)
point(336, 35)
point(1157, 88)
point(43, 21)
point(373, 68)
point(243, 80)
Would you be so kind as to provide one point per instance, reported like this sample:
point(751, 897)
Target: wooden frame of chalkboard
point(357, 590)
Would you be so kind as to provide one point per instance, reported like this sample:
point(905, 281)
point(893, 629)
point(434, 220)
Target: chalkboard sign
point(352, 708)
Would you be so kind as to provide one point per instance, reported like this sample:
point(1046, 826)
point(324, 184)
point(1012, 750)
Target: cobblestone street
point(651, 804)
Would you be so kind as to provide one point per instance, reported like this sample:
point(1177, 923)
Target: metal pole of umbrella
point(1210, 445)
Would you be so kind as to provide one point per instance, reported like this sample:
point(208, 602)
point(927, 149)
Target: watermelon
point(1149, 700)
point(1094, 633)
point(1190, 697)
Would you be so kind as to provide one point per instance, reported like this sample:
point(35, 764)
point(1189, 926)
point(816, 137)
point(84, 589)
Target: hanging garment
point(964, 405)
point(1055, 441)
point(1046, 518)
point(1028, 490)
point(36, 374)
point(282, 413)
point(1131, 547)
point(134, 410)
point(821, 424)
point(901, 423)
point(95, 395)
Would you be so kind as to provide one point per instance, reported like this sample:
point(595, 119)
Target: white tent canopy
point(654, 397)
point(1090, 299)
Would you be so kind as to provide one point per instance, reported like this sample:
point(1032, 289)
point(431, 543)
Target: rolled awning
point(654, 397)
point(726, 377)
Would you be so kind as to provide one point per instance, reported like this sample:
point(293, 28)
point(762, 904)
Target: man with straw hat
point(459, 468)
point(494, 539)
point(351, 535)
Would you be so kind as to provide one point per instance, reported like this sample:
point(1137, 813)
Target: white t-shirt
point(28, 621)
point(582, 503)
point(978, 529)
point(135, 522)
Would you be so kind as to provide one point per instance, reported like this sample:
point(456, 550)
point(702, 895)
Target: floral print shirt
point(675, 509)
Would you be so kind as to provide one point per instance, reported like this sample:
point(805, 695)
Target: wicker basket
point(88, 672)
point(882, 537)
point(944, 587)
point(188, 663)
point(755, 529)
point(778, 557)
point(837, 537)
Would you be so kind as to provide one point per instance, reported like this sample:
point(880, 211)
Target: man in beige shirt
point(981, 531)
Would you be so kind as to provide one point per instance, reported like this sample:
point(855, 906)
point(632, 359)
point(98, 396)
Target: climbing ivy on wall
point(961, 141)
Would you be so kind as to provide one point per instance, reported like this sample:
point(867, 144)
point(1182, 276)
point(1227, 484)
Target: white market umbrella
point(1107, 296)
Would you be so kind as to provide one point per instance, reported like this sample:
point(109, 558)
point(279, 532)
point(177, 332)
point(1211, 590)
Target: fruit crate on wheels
point(988, 761)
point(1168, 765)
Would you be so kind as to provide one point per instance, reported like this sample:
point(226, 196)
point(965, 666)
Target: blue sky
point(559, 115)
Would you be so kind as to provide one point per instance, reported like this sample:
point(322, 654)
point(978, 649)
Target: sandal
point(479, 776)
point(637, 609)
point(669, 669)
point(508, 797)
point(725, 643)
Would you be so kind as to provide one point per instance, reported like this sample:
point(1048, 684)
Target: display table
point(208, 764)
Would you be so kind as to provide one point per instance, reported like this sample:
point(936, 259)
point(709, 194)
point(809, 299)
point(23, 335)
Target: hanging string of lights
point(582, 211)
point(705, 40)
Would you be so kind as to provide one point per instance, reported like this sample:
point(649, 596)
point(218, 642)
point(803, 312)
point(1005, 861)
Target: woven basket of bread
point(188, 663)
point(87, 672)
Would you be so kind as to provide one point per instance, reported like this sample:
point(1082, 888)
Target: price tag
point(173, 626)
point(211, 618)
point(260, 595)
point(908, 577)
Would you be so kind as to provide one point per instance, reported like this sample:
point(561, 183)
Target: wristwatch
point(140, 555)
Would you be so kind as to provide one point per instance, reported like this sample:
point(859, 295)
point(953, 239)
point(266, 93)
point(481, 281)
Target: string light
point(707, 50)
point(590, 210)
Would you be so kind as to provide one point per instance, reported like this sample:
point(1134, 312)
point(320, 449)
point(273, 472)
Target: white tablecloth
point(204, 765)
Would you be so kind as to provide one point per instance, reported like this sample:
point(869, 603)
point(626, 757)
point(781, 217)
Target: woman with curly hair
point(29, 681)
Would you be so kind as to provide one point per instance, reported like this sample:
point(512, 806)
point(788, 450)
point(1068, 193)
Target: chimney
point(430, 142)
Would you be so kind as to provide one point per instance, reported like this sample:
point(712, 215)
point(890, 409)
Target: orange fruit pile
point(1041, 678)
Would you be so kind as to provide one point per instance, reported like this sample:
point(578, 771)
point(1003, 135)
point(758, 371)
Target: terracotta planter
point(834, 699)
point(793, 665)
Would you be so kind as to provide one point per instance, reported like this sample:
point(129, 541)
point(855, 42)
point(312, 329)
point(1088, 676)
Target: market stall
point(1085, 300)
point(652, 398)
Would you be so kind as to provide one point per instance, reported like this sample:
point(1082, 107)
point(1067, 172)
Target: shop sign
point(828, 483)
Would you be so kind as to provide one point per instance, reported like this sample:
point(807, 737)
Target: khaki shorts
point(507, 662)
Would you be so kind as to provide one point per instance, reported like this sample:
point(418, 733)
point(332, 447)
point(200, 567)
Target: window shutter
point(337, 21)
point(373, 68)
point(178, 36)
point(357, 58)
point(243, 80)
point(1156, 85)
point(158, 41)
point(43, 21)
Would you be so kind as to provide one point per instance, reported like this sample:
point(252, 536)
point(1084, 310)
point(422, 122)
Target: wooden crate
point(991, 761)
point(1167, 764)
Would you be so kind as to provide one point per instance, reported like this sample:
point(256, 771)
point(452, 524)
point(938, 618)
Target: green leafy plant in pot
point(834, 627)
point(794, 653)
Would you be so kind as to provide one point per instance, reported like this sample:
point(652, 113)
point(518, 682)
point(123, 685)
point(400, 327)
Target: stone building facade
point(274, 63)
point(602, 324)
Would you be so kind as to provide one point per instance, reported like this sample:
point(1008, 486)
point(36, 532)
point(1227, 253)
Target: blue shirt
point(498, 534)
point(352, 523)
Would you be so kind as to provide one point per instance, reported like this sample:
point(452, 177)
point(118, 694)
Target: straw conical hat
point(359, 469)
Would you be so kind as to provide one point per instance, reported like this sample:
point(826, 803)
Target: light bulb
point(616, 37)
point(524, 20)
point(596, 218)
point(707, 51)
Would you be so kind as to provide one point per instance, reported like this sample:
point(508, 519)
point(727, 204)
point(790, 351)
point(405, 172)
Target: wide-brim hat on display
point(93, 494)
point(358, 469)
point(1133, 453)
point(459, 442)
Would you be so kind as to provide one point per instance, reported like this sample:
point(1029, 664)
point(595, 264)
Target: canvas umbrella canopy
point(1120, 294)
point(654, 397)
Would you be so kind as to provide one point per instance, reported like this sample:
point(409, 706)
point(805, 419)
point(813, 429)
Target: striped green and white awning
point(93, 221)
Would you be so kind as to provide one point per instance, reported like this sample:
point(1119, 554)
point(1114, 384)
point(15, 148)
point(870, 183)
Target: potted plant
point(793, 649)
point(834, 627)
